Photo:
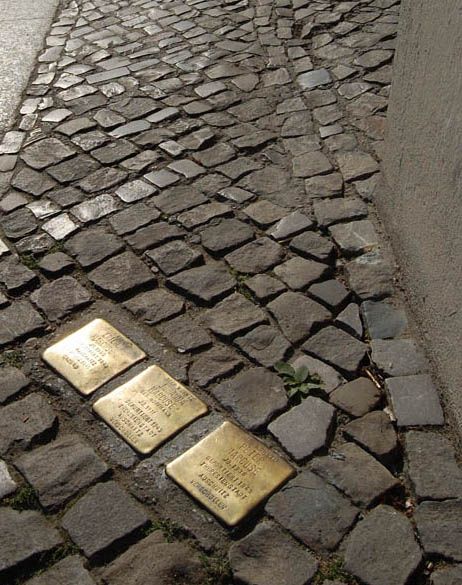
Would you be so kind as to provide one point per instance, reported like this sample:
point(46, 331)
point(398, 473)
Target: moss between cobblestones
point(218, 570)
point(24, 499)
point(13, 358)
point(332, 569)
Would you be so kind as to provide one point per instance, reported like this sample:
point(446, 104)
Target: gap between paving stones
point(209, 167)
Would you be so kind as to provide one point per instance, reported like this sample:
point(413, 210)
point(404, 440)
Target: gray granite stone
point(356, 165)
point(153, 235)
point(268, 556)
point(289, 226)
point(13, 381)
point(18, 224)
point(214, 364)
point(311, 164)
point(297, 315)
point(69, 571)
point(174, 256)
point(264, 287)
point(313, 79)
point(225, 236)
point(376, 434)
point(93, 246)
point(122, 274)
point(61, 297)
point(398, 357)
point(170, 562)
point(313, 245)
point(24, 536)
point(337, 348)
point(356, 237)
point(60, 470)
point(185, 334)
point(438, 527)
point(330, 211)
point(155, 306)
point(234, 315)
point(355, 473)
point(257, 256)
point(370, 276)
point(18, 321)
point(265, 345)
point(382, 320)
point(136, 216)
point(134, 191)
point(264, 213)
point(206, 283)
point(331, 293)
point(390, 532)
point(432, 466)
point(96, 537)
point(313, 511)
point(253, 397)
point(7, 483)
point(298, 273)
point(15, 276)
point(73, 169)
point(33, 182)
point(56, 263)
point(305, 428)
point(414, 400)
point(350, 320)
point(356, 398)
point(46, 152)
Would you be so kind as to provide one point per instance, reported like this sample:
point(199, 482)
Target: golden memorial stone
point(149, 409)
point(92, 355)
point(230, 472)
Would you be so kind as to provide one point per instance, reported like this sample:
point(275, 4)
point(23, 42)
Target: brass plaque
point(149, 409)
point(230, 472)
point(92, 355)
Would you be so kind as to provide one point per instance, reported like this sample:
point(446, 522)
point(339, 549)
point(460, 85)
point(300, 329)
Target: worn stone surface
point(297, 314)
point(313, 511)
point(265, 345)
point(257, 256)
point(25, 535)
point(390, 532)
point(69, 571)
point(214, 364)
point(305, 428)
point(227, 235)
point(357, 397)
point(99, 503)
point(206, 283)
point(355, 237)
point(398, 357)
point(253, 397)
point(414, 400)
point(298, 273)
point(337, 348)
point(61, 297)
point(155, 306)
point(234, 315)
point(121, 274)
point(375, 433)
point(171, 563)
point(18, 321)
point(370, 276)
point(93, 246)
point(267, 556)
point(432, 466)
point(59, 470)
point(438, 527)
point(185, 333)
point(174, 256)
point(13, 381)
point(25, 421)
point(382, 320)
point(346, 465)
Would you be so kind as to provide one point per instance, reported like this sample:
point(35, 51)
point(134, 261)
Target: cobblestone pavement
point(200, 174)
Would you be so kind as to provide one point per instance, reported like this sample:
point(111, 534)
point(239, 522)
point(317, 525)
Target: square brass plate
point(92, 355)
point(230, 472)
point(149, 409)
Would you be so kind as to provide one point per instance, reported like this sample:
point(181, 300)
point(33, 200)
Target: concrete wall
point(421, 202)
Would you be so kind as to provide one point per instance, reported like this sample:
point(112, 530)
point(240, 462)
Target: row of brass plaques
point(229, 471)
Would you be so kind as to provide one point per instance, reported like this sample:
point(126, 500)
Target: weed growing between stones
point(299, 383)
point(218, 570)
point(29, 261)
point(24, 499)
point(332, 569)
point(13, 358)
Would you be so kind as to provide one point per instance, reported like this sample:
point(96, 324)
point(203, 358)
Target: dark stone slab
point(155, 306)
point(257, 256)
point(205, 284)
point(25, 535)
point(73, 170)
point(268, 556)
point(253, 397)
point(174, 256)
point(370, 276)
point(69, 571)
point(227, 235)
point(185, 334)
point(92, 523)
point(414, 400)
point(382, 320)
point(305, 428)
point(390, 532)
point(15, 276)
point(313, 245)
point(136, 216)
point(297, 315)
point(60, 470)
point(61, 297)
point(264, 287)
point(313, 511)
point(170, 562)
point(13, 381)
point(93, 246)
point(234, 315)
point(153, 235)
point(102, 179)
point(122, 274)
point(25, 421)
point(432, 466)
point(375, 433)
point(298, 273)
point(439, 528)
point(18, 224)
point(213, 365)
point(398, 357)
point(33, 182)
point(337, 348)
point(56, 264)
point(265, 345)
point(19, 320)
point(357, 397)
point(46, 152)
point(355, 473)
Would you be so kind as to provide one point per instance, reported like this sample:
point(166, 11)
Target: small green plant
point(12, 358)
point(24, 499)
point(299, 383)
point(332, 570)
point(29, 261)
point(218, 570)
